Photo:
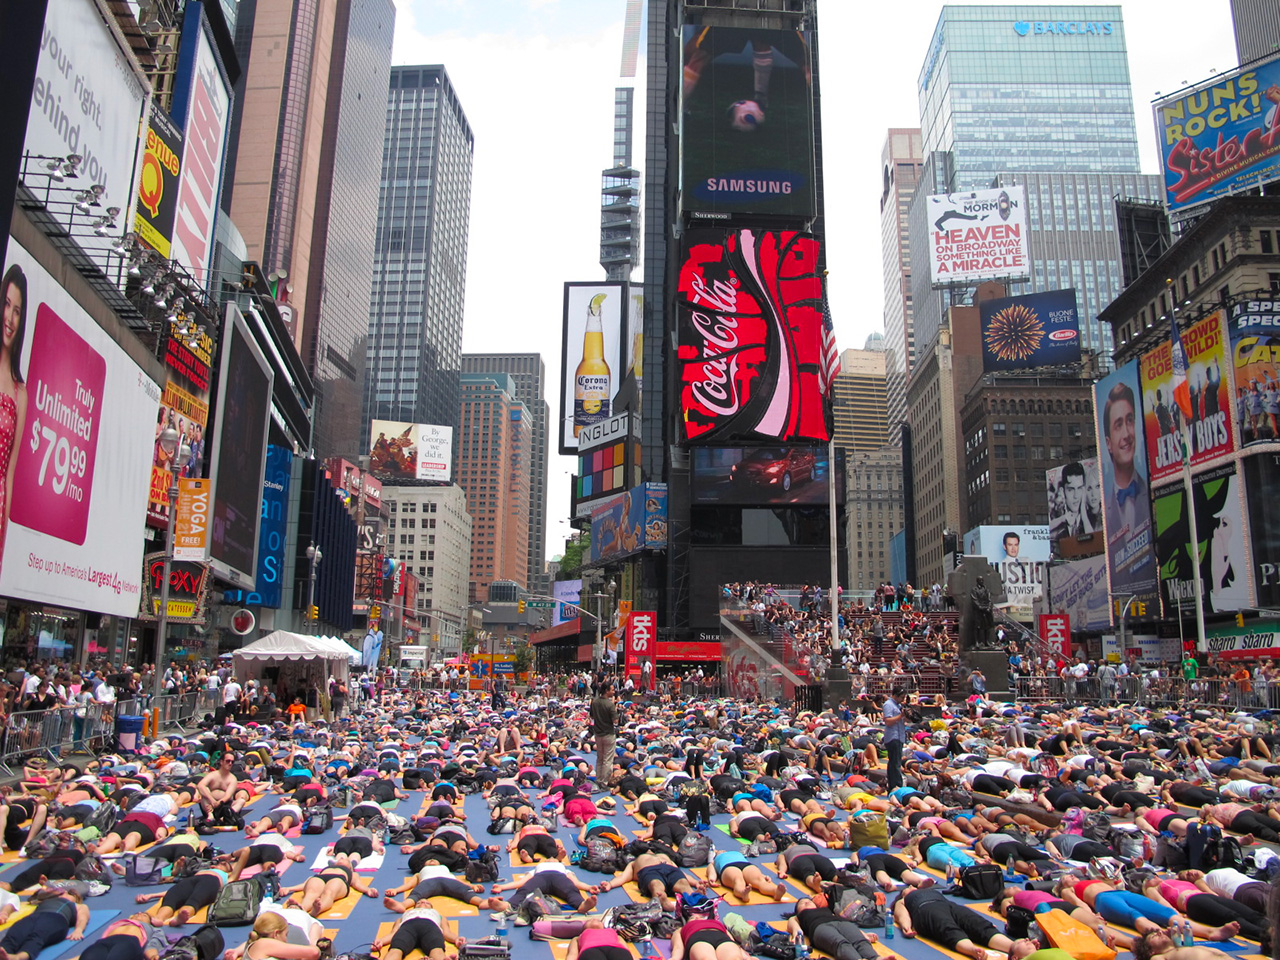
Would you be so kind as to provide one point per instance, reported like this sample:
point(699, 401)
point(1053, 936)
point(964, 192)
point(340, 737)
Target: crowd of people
point(437, 819)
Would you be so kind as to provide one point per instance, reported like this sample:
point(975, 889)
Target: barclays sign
point(1073, 28)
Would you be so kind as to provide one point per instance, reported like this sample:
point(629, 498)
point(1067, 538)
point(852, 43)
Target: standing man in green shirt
point(1190, 668)
point(604, 726)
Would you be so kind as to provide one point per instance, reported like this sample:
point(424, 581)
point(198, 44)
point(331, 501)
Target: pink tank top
point(1030, 899)
point(1173, 890)
point(598, 938)
point(1154, 815)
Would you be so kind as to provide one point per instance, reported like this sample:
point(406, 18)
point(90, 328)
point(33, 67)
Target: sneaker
point(520, 920)
point(502, 915)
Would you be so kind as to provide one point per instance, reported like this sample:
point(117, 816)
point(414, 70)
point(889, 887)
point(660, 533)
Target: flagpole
point(1179, 363)
point(834, 596)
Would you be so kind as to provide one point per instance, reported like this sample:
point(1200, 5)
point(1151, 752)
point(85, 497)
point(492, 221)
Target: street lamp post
point(178, 451)
point(611, 586)
point(314, 555)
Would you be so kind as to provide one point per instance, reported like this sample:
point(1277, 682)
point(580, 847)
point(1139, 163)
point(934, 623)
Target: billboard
point(191, 522)
point(1038, 330)
point(642, 645)
point(202, 107)
point(1126, 494)
point(188, 590)
point(628, 523)
point(608, 462)
point(90, 100)
point(1078, 588)
point(158, 183)
point(401, 451)
point(1008, 542)
point(184, 406)
point(1055, 631)
point(1246, 643)
point(1260, 472)
point(759, 475)
point(1218, 559)
point(1074, 491)
point(635, 336)
point(239, 453)
point(746, 136)
point(1220, 136)
point(750, 337)
point(979, 235)
point(592, 356)
point(271, 531)
point(1255, 360)
point(565, 591)
point(1211, 429)
point(77, 424)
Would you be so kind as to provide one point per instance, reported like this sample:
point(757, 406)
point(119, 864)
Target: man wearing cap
point(604, 726)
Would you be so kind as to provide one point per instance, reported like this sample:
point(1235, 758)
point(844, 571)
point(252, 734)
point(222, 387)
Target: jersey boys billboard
point(750, 346)
point(1211, 428)
point(747, 122)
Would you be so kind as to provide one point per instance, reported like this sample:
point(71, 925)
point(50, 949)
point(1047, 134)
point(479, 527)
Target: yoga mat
point(560, 948)
point(450, 907)
point(341, 910)
point(384, 932)
point(257, 868)
point(197, 918)
point(724, 828)
point(11, 856)
point(367, 865)
point(754, 898)
point(97, 920)
point(18, 914)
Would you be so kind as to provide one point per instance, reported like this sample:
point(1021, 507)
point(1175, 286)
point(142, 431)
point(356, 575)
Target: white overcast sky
point(536, 79)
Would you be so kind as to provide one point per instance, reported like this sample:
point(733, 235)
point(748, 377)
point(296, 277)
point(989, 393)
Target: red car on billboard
point(774, 468)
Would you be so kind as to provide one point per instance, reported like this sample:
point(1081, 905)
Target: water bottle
point(888, 925)
point(802, 950)
point(1188, 938)
point(1033, 931)
point(502, 926)
point(1102, 930)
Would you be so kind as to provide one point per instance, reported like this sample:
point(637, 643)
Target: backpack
point(1095, 826)
point(1208, 849)
point(206, 943)
point(237, 904)
point(1171, 853)
point(140, 871)
point(600, 856)
point(979, 882)
point(1130, 843)
point(319, 820)
point(400, 830)
point(483, 869)
point(501, 825)
point(849, 903)
point(536, 906)
point(225, 815)
point(691, 906)
point(694, 850)
point(104, 818)
point(91, 868)
point(1135, 879)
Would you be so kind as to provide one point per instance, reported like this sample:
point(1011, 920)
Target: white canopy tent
point(294, 663)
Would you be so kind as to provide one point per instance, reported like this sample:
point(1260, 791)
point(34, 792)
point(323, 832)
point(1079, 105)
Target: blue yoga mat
point(97, 920)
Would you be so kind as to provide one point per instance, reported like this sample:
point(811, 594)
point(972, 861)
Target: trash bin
point(128, 733)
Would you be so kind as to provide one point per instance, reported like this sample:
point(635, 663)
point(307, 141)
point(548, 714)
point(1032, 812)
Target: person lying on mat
point(190, 894)
point(265, 851)
point(283, 818)
point(931, 915)
point(533, 843)
point(134, 938)
point(318, 894)
point(1132, 909)
point(656, 876)
point(1158, 945)
point(554, 879)
point(61, 916)
point(836, 937)
point(435, 880)
point(421, 928)
point(734, 872)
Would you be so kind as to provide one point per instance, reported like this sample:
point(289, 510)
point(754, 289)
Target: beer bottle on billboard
point(591, 379)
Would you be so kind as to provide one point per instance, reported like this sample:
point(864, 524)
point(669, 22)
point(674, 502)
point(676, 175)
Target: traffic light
point(1239, 619)
point(315, 612)
point(520, 606)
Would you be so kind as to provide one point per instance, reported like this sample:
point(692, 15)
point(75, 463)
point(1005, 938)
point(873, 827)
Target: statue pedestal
point(994, 665)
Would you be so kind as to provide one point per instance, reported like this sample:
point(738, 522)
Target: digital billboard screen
point(275, 509)
point(77, 427)
point(1221, 136)
point(782, 475)
point(979, 235)
point(1037, 330)
point(1254, 327)
point(1264, 524)
point(746, 135)
point(1126, 492)
point(630, 522)
point(400, 452)
point(239, 454)
point(750, 337)
point(1219, 557)
point(592, 356)
point(1211, 427)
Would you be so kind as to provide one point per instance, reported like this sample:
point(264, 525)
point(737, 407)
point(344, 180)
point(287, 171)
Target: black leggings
point(895, 867)
point(441, 887)
point(418, 934)
point(698, 805)
point(196, 892)
point(36, 931)
point(1260, 825)
point(1213, 910)
point(551, 882)
point(120, 946)
point(1194, 796)
point(60, 865)
point(989, 783)
point(539, 844)
point(754, 827)
point(1015, 850)
point(602, 953)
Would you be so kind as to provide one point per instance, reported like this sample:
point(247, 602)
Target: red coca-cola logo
point(751, 337)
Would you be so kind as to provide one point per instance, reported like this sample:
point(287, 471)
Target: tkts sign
point(751, 337)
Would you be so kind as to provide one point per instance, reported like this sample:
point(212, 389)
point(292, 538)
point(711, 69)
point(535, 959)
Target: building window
point(1265, 237)
point(1001, 451)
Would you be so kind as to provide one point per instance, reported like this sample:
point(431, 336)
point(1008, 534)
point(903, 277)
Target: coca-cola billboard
point(750, 348)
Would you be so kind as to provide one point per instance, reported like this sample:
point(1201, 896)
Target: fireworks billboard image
point(1038, 330)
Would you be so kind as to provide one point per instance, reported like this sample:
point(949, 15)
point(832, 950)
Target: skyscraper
point(494, 469)
point(620, 196)
point(860, 409)
point(306, 108)
point(900, 161)
point(420, 263)
point(1257, 28)
point(530, 376)
point(1025, 94)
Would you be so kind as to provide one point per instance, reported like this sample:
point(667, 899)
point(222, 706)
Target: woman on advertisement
point(13, 391)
